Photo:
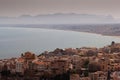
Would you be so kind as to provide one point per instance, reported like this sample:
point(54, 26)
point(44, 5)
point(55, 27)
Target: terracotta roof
point(39, 62)
point(20, 60)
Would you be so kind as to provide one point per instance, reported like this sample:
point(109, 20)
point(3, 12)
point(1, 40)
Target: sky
point(13, 8)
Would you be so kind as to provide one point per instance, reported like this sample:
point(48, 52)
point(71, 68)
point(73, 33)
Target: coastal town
point(85, 63)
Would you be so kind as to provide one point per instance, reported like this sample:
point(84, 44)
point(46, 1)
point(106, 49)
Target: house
point(59, 66)
point(20, 66)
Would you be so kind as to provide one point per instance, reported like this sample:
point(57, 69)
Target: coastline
point(80, 31)
point(90, 32)
point(101, 29)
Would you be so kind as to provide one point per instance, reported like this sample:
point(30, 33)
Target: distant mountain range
point(59, 18)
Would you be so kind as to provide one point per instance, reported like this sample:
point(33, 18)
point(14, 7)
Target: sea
point(17, 40)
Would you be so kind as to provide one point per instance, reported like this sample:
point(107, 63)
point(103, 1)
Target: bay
point(14, 40)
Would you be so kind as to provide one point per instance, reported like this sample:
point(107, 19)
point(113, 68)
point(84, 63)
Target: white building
point(20, 65)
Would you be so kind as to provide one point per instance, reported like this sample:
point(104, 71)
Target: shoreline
point(90, 32)
point(100, 29)
point(78, 31)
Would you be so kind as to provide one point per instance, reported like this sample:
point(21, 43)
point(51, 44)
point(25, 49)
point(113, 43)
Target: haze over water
point(14, 41)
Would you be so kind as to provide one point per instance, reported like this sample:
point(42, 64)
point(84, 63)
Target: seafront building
point(65, 64)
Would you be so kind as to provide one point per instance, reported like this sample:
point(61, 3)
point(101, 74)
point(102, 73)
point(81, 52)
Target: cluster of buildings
point(65, 64)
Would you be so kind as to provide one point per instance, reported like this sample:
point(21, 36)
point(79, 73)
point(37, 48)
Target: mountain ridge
point(59, 18)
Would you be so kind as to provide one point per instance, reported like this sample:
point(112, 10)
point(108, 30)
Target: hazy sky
point(35, 7)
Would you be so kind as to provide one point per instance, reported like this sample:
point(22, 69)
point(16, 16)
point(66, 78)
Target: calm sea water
point(14, 41)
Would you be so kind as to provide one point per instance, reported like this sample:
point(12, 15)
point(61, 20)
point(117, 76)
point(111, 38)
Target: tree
point(93, 67)
point(112, 43)
point(86, 63)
